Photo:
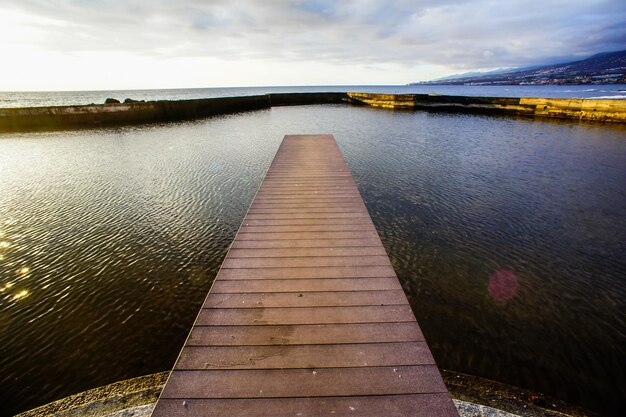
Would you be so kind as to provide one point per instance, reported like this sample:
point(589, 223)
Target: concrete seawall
point(300, 99)
point(559, 108)
point(63, 117)
point(60, 117)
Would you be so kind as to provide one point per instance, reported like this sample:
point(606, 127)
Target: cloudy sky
point(123, 44)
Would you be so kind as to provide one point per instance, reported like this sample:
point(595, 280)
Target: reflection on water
point(508, 237)
point(20, 294)
point(502, 285)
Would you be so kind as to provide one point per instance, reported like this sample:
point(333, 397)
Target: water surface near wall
point(507, 234)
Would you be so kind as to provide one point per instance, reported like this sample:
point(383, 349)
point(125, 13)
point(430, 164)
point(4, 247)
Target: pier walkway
point(306, 316)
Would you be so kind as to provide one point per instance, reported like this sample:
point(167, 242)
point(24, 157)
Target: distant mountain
point(604, 68)
point(474, 74)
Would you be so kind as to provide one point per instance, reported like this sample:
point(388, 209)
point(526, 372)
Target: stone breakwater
point(93, 115)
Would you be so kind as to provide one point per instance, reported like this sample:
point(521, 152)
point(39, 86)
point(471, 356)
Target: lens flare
point(502, 285)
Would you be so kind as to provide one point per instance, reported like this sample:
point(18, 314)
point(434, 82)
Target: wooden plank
point(291, 194)
point(306, 262)
point(372, 271)
point(307, 202)
point(305, 356)
point(309, 215)
point(309, 228)
point(318, 175)
point(334, 189)
point(306, 243)
point(305, 285)
point(306, 235)
point(271, 180)
point(306, 211)
point(314, 204)
point(299, 252)
point(306, 316)
point(286, 190)
point(300, 221)
point(422, 405)
point(294, 196)
point(303, 203)
point(312, 207)
point(314, 184)
point(308, 195)
point(273, 383)
point(316, 299)
point(315, 334)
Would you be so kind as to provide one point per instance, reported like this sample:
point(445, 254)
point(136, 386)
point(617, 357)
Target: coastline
point(20, 119)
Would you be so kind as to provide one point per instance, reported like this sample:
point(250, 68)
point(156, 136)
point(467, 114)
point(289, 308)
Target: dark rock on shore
point(111, 101)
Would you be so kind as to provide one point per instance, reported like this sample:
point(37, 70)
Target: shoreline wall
point(301, 99)
point(607, 110)
point(62, 117)
point(94, 115)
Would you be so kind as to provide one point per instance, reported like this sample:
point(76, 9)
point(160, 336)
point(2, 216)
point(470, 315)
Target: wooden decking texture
point(306, 316)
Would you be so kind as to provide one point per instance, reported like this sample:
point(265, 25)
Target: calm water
point(64, 98)
point(109, 240)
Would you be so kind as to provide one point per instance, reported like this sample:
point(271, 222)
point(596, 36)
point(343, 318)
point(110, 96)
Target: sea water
point(507, 234)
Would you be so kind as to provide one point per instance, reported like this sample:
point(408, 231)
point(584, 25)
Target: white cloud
point(150, 44)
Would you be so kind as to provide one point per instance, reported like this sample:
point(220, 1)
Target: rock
point(130, 100)
point(111, 101)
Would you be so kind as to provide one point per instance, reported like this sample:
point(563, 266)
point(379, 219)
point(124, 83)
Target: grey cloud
point(457, 34)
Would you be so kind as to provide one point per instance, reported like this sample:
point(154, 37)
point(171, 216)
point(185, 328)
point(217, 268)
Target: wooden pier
point(306, 316)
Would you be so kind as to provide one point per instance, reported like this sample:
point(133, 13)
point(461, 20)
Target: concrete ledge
point(106, 400)
point(583, 109)
point(579, 109)
point(60, 117)
point(473, 397)
point(300, 99)
point(388, 101)
point(63, 117)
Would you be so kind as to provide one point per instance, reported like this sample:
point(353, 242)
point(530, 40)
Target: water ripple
point(122, 231)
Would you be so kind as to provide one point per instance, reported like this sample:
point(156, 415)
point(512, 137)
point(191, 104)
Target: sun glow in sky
point(133, 44)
